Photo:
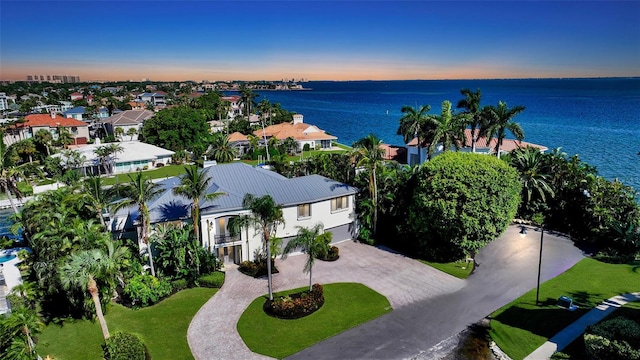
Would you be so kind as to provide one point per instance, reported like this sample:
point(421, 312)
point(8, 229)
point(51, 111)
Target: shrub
point(258, 267)
point(124, 346)
point(213, 280)
point(145, 290)
point(295, 306)
point(332, 254)
point(159, 165)
point(617, 338)
point(306, 147)
point(179, 284)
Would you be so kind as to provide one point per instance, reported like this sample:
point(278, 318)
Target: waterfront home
point(126, 120)
point(50, 122)
point(483, 146)
point(157, 99)
point(134, 156)
point(305, 201)
point(302, 133)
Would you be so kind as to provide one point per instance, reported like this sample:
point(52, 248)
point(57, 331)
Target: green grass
point(460, 269)
point(162, 327)
point(346, 305)
point(520, 327)
point(159, 173)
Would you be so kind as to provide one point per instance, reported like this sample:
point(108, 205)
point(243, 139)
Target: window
point(304, 211)
point(339, 203)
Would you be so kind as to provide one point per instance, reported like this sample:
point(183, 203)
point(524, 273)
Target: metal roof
point(237, 179)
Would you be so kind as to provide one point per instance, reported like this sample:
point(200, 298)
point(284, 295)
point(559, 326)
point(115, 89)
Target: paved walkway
point(571, 332)
point(212, 333)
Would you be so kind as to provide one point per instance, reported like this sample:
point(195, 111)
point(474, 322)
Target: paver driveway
point(212, 333)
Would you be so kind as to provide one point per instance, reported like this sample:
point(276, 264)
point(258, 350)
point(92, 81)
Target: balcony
point(223, 239)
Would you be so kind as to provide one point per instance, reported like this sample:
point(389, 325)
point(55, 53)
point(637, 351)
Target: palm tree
point(530, 163)
point(413, 124)
point(194, 184)
point(310, 242)
point(448, 129)
point(98, 196)
point(8, 175)
point(221, 150)
point(107, 155)
point(265, 109)
point(84, 268)
point(65, 137)
point(267, 216)
point(139, 191)
point(247, 95)
point(471, 106)
point(132, 132)
point(118, 132)
point(45, 138)
point(19, 328)
point(291, 145)
point(369, 154)
point(500, 120)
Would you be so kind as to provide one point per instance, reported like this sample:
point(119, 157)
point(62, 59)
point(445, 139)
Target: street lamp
point(539, 262)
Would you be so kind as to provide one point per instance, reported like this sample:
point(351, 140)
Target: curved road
point(508, 268)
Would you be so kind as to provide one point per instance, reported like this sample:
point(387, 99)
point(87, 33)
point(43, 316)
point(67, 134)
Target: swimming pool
point(5, 258)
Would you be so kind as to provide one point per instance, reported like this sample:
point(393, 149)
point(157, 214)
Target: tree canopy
point(178, 128)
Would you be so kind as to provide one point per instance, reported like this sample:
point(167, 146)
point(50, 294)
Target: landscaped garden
point(162, 327)
point(521, 327)
point(346, 305)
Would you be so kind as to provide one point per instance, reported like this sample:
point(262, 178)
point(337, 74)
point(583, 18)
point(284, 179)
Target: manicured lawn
point(520, 327)
point(159, 173)
point(162, 327)
point(459, 269)
point(346, 305)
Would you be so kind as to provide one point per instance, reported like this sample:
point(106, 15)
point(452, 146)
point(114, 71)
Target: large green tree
point(266, 216)
point(178, 128)
point(461, 202)
point(194, 184)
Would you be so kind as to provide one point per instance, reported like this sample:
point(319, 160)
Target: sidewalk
point(571, 332)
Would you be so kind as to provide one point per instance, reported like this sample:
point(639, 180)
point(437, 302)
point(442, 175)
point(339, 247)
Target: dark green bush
point(213, 280)
point(618, 338)
point(295, 306)
point(306, 147)
point(331, 255)
point(145, 290)
point(124, 346)
point(179, 284)
point(258, 267)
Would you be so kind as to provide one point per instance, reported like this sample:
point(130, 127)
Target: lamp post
point(523, 232)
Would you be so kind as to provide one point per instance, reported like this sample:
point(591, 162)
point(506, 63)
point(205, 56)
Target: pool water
point(5, 258)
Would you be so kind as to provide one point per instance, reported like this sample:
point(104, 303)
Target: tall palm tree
point(266, 215)
point(8, 174)
point(139, 191)
point(45, 138)
point(500, 120)
point(194, 184)
point(471, 105)
point(265, 109)
point(448, 129)
point(291, 145)
point(413, 124)
point(221, 150)
point(247, 95)
point(98, 196)
point(530, 163)
point(84, 268)
point(131, 133)
point(65, 138)
point(310, 242)
point(369, 154)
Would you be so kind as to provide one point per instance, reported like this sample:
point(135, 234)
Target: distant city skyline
point(319, 40)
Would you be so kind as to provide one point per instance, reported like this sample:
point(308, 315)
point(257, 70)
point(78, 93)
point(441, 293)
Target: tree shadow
point(546, 320)
point(173, 211)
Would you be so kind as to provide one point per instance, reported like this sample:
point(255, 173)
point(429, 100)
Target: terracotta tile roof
point(300, 132)
point(393, 152)
point(40, 120)
point(236, 136)
point(507, 144)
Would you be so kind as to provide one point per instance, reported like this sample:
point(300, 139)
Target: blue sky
point(318, 40)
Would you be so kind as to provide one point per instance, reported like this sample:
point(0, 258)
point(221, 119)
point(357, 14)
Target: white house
point(301, 132)
point(305, 201)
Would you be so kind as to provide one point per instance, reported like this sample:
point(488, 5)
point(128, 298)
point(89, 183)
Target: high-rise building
point(58, 79)
point(4, 102)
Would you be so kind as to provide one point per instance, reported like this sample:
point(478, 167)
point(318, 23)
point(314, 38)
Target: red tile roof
point(41, 120)
point(507, 144)
point(300, 132)
point(237, 136)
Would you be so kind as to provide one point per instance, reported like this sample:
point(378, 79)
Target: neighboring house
point(482, 147)
point(4, 102)
point(77, 113)
point(305, 201)
point(394, 152)
point(235, 105)
point(135, 156)
point(126, 120)
point(239, 141)
point(301, 132)
point(157, 99)
point(50, 122)
point(137, 105)
point(76, 96)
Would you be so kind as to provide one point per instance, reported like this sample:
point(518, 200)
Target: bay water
point(598, 119)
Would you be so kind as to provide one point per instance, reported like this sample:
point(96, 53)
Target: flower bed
point(256, 269)
point(332, 254)
point(295, 306)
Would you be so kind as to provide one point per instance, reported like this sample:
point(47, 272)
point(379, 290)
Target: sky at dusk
point(318, 40)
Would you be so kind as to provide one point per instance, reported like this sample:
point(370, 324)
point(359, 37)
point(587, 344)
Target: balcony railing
point(221, 239)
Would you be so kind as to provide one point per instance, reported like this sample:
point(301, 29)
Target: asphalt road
point(508, 268)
